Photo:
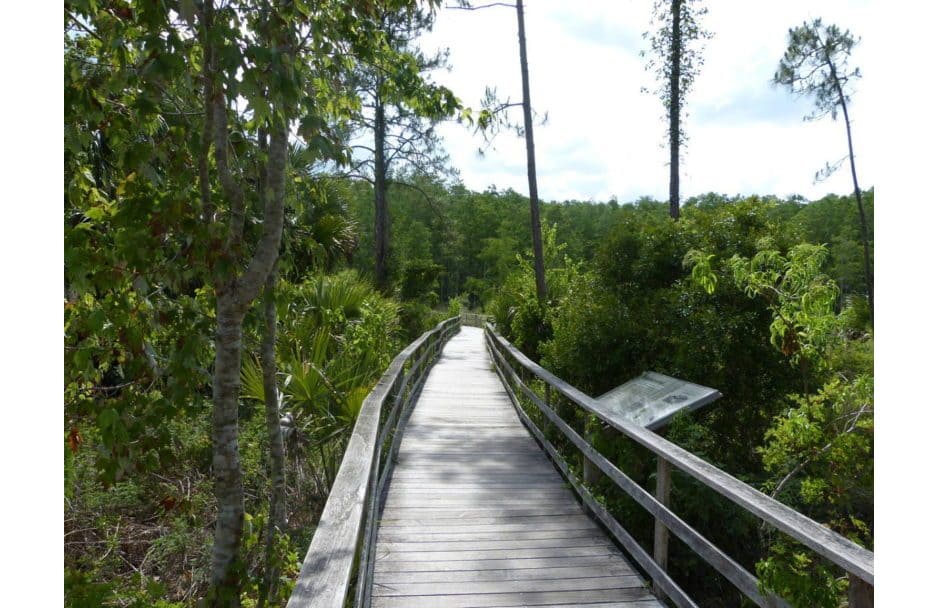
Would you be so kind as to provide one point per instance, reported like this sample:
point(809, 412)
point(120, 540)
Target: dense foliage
point(735, 295)
point(196, 139)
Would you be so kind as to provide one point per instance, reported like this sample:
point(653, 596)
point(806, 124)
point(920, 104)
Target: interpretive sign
point(652, 399)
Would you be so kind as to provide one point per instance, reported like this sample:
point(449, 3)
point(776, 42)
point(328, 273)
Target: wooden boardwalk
point(476, 515)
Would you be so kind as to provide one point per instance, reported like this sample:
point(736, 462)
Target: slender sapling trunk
point(675, 108)
point(862, 220)
point(540, 286)
point(277, 513)
point(383, 229)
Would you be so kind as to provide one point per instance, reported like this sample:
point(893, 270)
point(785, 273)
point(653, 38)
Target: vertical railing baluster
point(660, 532)
point(590, 474)
point(861, 594)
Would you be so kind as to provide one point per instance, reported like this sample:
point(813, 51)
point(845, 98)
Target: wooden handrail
point(345, 533)
point(857, 561)
point(473, 319)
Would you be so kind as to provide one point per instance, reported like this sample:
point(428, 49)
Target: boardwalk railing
point(345, 536)
point(473, 319)
point(519, 374)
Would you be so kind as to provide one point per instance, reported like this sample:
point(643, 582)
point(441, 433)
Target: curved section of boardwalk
point(475, 514)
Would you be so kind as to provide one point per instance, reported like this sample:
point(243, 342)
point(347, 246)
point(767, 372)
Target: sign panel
point(652, 399)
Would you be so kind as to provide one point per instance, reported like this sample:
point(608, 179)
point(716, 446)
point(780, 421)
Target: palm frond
point(252, 380)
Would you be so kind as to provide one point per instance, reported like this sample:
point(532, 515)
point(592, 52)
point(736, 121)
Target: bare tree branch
point(433, 206)
point(469, 7)
point(802, 465)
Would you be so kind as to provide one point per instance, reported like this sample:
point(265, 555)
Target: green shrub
point(453, 307)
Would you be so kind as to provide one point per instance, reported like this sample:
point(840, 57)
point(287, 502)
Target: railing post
point(660, 533)
point(590, 473)
point(861, 594)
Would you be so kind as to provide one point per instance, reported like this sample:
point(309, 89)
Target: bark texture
point(862, 219)
point(226, 464)
point(234, 295)
point(675, 107)
point(383, 227)
point(277, 514)
point(536, 223)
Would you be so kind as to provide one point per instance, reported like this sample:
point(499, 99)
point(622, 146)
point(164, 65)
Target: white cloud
point(604, 137)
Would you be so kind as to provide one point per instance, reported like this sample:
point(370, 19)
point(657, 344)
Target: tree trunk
point(674, 109)
point(226, 466)
point(277, 515)
point(383, 228)
point(540, 286)
point(234, 295)
point(862, 220)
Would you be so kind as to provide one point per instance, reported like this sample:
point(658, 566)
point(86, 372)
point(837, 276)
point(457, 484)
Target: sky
point(606, 138)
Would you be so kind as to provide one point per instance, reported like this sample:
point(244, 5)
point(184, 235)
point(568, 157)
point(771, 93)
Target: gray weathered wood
point(526, 598)
point(472, 319)
point(486, 515)
point(474, 513)
point(610, 568)
point(660, 532)
point(385, 554)
point(512, 586)
point(328, 566)
point(402, 545)
point(741, 578)
point(418, 367)
point(660, 578)
point(839, 550)
point(500, 564)
point(861, 594)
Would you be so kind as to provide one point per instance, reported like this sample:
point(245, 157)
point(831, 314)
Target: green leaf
point(108, 418)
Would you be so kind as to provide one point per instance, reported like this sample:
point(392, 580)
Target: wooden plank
point(542, 493)
point(468, 587)
point(464, 503)
point(485, 515)
point(517, 574)
point(475, 514)
point(457, 537)
point(481, 519)
point(457, 554)
point(653, 603)
point(477, 458)
point(454, 525)
point(505, 483)
point(447, 475)
point(529, 598)
point(570, 523)
point(498, 564)
point(512, 482)
point(477, 544)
